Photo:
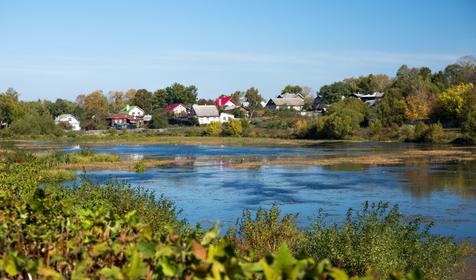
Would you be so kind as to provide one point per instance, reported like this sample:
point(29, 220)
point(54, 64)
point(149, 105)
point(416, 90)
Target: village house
point(369, 99)
point(124, 121)
point(225, 102)
point(135, 111)
point(176, 109)
point(225, 117)
point(294, 103)
point(209, 113)
point(69, 120)
point(205, 113)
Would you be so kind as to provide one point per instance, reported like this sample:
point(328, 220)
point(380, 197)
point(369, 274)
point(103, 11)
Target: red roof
point(122, 116)
point(172, 106)
point(221, 101)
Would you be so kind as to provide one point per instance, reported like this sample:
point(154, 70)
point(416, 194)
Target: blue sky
point(59, 49)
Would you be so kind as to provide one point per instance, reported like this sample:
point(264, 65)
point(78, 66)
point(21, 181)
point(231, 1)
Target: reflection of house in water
point(135, 156)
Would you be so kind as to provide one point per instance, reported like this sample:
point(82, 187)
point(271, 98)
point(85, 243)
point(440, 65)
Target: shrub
point(213, 129)
point(381, 240)
point(234, 128)
point(337, 127)
point(139, 167)
point(266, 232)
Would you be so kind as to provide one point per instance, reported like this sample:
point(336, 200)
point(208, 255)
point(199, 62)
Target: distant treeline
point(446, 98)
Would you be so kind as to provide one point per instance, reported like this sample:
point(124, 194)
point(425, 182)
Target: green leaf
point(135, 268)
point(112, 272)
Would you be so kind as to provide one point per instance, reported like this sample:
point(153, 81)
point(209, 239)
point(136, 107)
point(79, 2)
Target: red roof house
point(225, 101)
point(176, 109)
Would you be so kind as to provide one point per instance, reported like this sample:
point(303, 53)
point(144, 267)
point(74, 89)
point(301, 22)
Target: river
point(208, 189)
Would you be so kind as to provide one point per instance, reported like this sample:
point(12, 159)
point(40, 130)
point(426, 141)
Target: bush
point(213, 129)
point(433, 133)
point(381, 240)
point(139, 167)
point(234, 128)
point(266, 232)
point(337, 127)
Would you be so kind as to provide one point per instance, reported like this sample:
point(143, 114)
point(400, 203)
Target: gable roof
point(205, 110)
point(172, 106)
point(221, 101)
point(296, 101)
point(64, 118)
point(290, 95)
point(373, 95)
point(128, 108)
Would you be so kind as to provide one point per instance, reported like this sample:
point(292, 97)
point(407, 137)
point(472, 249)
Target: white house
point(70, 120)
point(205, 113)
point(225, 117)
point(177, 109)
point(135, 111)
point(369, 99)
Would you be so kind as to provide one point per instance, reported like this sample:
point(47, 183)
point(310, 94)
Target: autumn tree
point(117, 100)
point(96, 110)
point(419, 105)
point(450, 103)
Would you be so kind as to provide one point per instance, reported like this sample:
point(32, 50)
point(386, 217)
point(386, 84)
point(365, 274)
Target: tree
point(63, 106)
point(144, 99)
point(237, 96)
point(254, 100)
point(419, 105)
point(334, 92)
point(160, 99)
point(96, 110)
point(450, 103)
point(178, 93)
point(203, 101)
point(117, 100)
point(392, 108)
point(292, 89)
point(10, 108)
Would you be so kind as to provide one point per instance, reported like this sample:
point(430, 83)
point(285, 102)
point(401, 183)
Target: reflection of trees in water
point(457, 178)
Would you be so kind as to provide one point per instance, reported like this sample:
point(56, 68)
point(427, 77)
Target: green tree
point(292, 89)
point(334, 92)
point(10, 108)
point(254, 100)
point(391, 109)
point(178, 93)
point(144, 99)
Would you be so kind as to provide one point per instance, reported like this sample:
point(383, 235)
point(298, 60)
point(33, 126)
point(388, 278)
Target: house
point(205, 113)
point(294, 103)
point(225, 117)
point(226, 102)
point(70, 120)
point(176, 109)
point(369, 99)
point(125, 120)
point(135, 111)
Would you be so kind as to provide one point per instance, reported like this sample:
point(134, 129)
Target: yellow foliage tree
point(451, 101)
point(419, 105)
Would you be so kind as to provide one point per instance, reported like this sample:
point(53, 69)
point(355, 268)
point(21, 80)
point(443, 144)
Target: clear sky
point(59, 49)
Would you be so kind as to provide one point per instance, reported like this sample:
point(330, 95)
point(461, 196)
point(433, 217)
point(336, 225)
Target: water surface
point(208, 189)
